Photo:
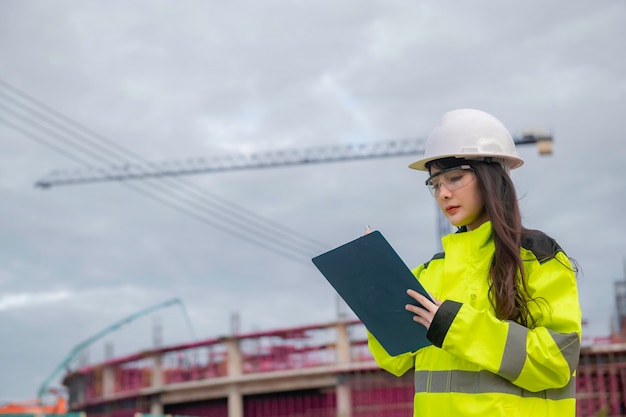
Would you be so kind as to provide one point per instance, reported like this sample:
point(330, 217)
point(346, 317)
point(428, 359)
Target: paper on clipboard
point(372, 279)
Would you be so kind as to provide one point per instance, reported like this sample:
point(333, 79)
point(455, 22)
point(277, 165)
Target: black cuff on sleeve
point(442, 321)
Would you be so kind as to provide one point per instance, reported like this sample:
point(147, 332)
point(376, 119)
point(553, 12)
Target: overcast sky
point(169, 81)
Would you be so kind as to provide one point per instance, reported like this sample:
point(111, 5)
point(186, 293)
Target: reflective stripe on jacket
point(480, 365)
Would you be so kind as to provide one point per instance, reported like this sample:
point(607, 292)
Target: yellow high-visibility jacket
point(479, 365)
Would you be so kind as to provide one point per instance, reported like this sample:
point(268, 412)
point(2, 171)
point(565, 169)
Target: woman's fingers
point(437, 302)
point(425, 302)
point(427, 309)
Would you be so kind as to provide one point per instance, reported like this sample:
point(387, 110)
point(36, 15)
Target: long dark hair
point(508, 292)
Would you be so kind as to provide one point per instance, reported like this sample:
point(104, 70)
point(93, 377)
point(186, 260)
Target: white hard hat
point(470, 134)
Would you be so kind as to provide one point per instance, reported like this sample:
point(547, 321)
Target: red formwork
point(208, 408)
point(132, 376)
point(296, 348)
point(379, 394)
point(306, 403)
point(195, 364)
point(601, 383)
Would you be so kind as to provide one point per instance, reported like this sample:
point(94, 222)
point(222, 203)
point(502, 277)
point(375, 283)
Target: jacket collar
point(469, 241)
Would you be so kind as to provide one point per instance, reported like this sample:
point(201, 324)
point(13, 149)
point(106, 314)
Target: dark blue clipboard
point(372, 279)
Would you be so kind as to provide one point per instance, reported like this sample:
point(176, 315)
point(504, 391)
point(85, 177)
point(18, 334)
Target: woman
point(506, 333)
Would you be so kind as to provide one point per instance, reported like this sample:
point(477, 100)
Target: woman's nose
point(444, 192)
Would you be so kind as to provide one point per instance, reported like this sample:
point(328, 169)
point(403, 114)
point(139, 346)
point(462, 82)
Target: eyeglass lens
point(452, 179)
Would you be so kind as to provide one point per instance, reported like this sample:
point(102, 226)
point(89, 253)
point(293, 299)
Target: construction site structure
point(322, 370)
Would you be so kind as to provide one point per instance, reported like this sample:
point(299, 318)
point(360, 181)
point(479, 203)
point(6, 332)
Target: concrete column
point(235, 363)
point(156, 407)
point(343, 343)
point(157, 371)
point(235, 369)
point(108, 381)
point(235, 402)
point(156, 381)
point(343, 391)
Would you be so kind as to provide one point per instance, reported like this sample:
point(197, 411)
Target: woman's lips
point(452, 209)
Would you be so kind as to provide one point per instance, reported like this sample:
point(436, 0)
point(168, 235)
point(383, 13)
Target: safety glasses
point(451, 178)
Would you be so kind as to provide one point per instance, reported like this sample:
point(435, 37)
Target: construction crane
point(323, 154)
point(44, 389)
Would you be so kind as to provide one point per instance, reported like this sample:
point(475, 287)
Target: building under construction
point(322, 370)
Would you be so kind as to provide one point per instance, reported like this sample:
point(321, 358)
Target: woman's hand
point(423, 315)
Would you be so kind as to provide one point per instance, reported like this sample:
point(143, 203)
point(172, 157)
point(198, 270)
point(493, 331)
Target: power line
point(244, 224)
point(159, 199)
point(143, 165)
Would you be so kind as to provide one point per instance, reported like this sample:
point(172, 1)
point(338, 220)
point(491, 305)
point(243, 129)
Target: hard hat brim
point(511, 162)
